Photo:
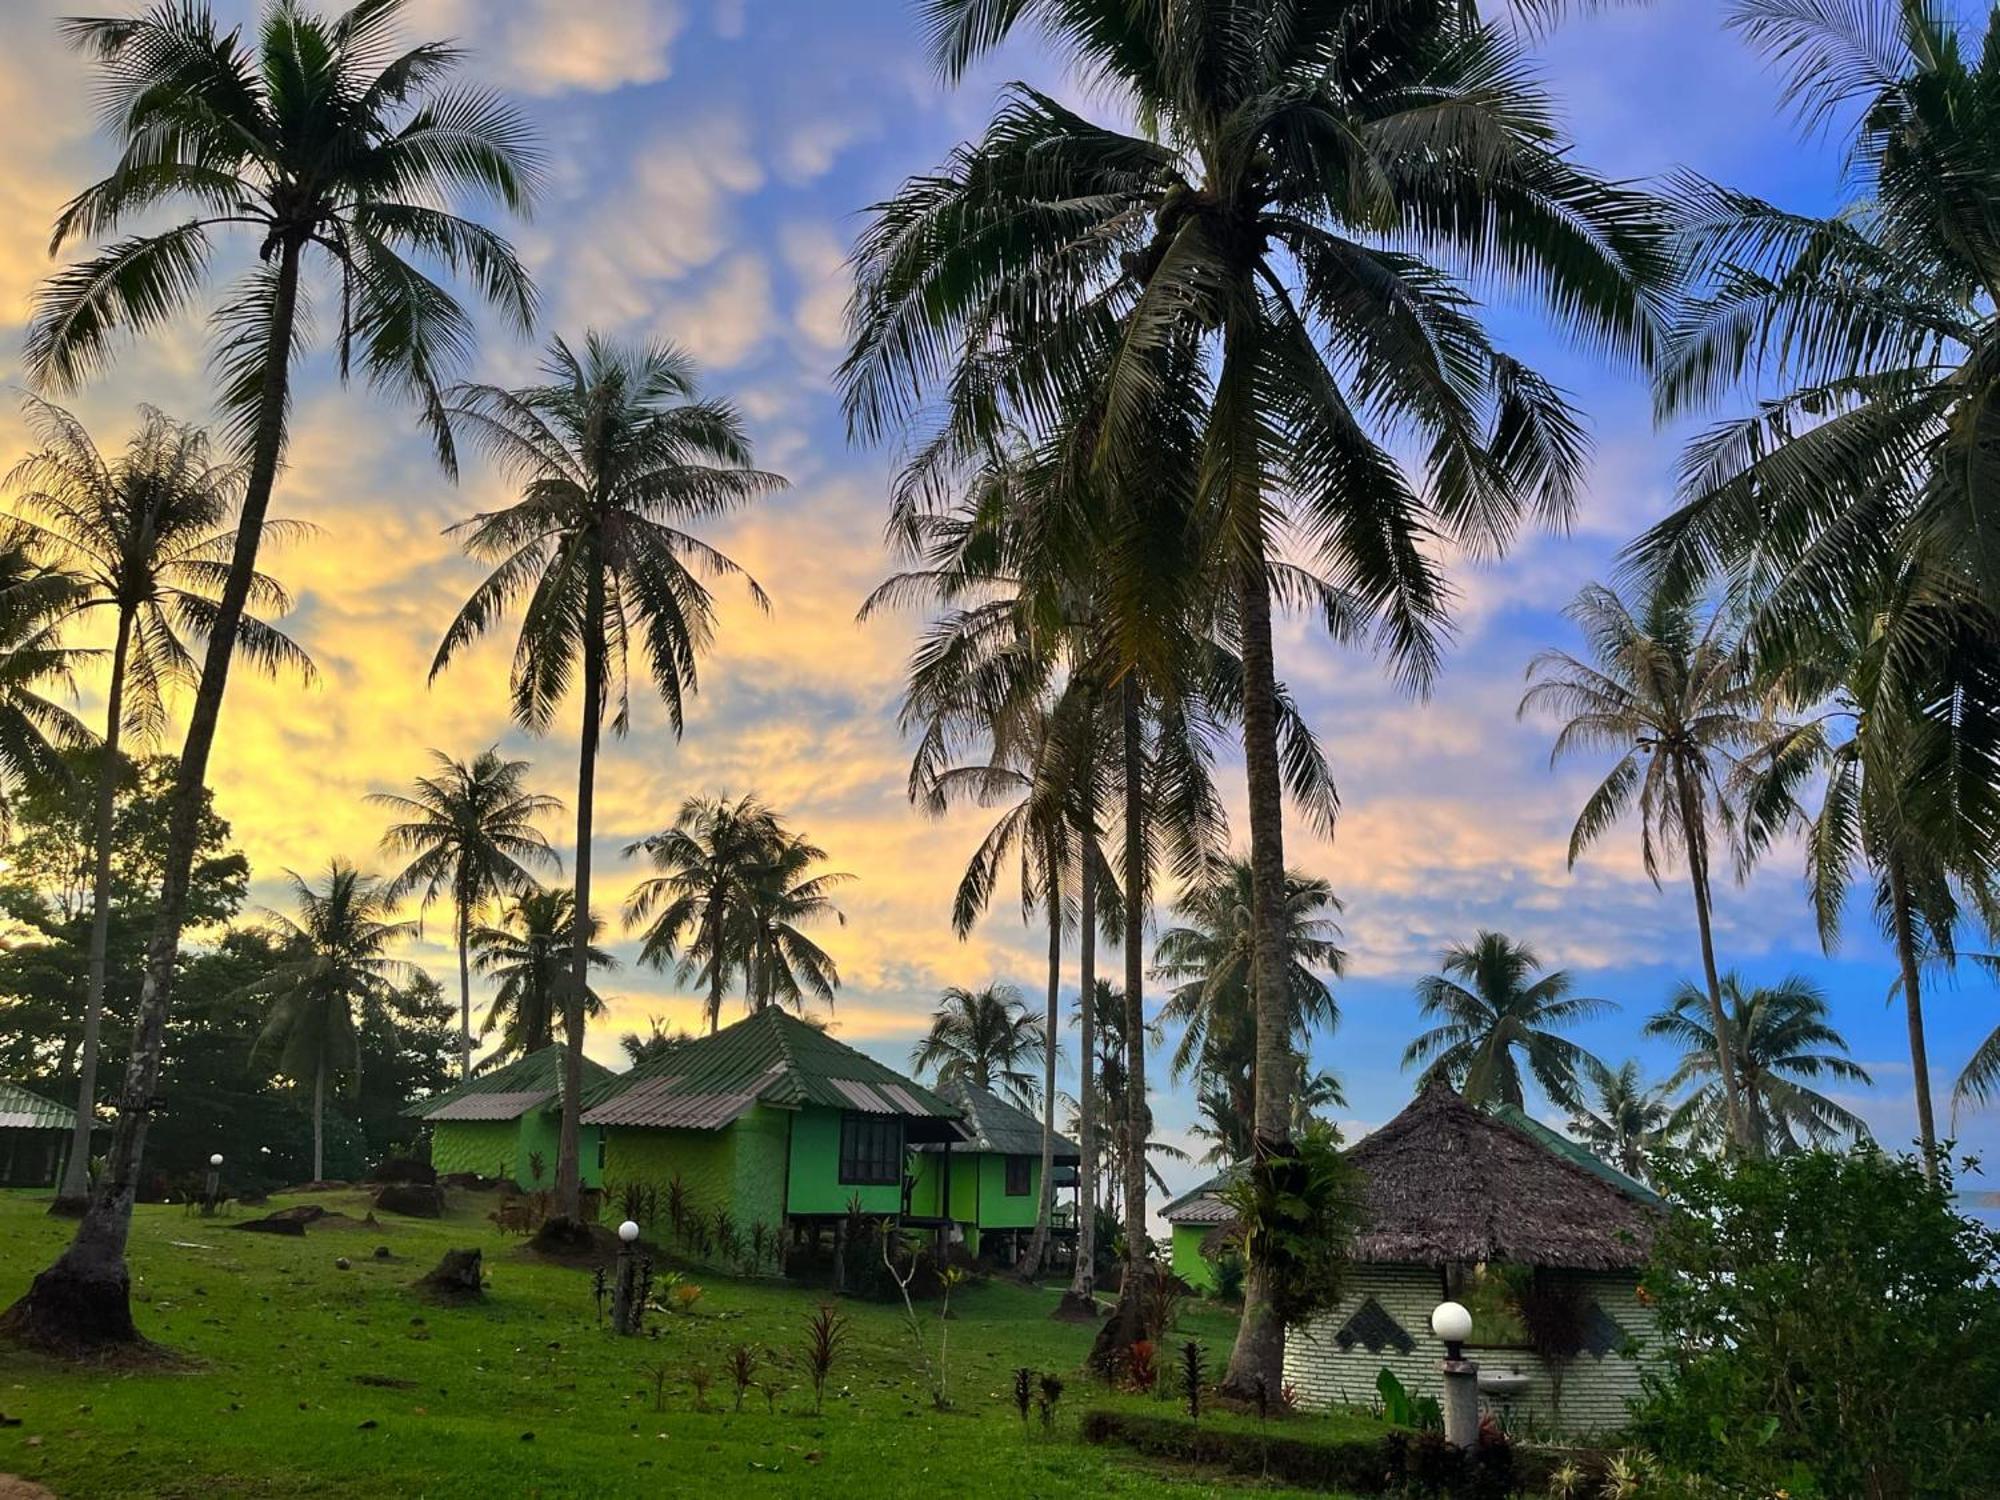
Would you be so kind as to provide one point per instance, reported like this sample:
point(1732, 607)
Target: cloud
point(548, 47)
point(818, 261)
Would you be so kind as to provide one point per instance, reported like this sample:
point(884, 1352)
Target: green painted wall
point(740, 1168)
point(979, 1196)
point(505, 1147)
point(1189, 1263)
point(999, 1209)
point(815, 1186)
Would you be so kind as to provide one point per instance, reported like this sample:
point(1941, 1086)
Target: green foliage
point(1401, 1409)
point(1840, 1329)
point(1297, 1215)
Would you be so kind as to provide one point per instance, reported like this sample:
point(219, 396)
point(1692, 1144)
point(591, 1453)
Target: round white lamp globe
point(215, 1160)
point(1451, 1322)
point(628, 1231)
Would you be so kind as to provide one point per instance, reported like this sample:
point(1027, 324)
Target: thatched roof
point(1446, 1182)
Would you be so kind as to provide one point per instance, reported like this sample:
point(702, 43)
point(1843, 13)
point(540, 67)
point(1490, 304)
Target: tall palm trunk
point(1259, 1351)
point(569, 1181)
point(1904, 926)
point(464, 988)
point(75, 1189)
point(715, 965)
point(1083, 1276)
point(1031, 1263)
point(1725, 1047)
point(319, 1118)
point(1138, 1118)
point(85, 1297)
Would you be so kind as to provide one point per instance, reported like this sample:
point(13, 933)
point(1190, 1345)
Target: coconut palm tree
point(657, 1042)
point(694, 909)
point(1489, 1006)
point(335, 958)
point(527, 953)
point(1783, 1044)
point(1676, 699)
point(467, 830)
point(786, 895)
point(1214, 1002)
point(146, 534)
point(1622, 1121)
point(35, 605)
point(615, 456)
point(323, 144)
point(1266, 237)
point(984, 1037)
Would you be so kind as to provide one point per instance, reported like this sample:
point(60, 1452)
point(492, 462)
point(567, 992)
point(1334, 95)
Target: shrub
point(1142, 1373)
point(826, 1332)
point(1298, 1212)
point(1228, 1285)
point(1838, 1323)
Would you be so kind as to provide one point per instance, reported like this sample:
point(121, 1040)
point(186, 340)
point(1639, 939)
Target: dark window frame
point(1025, 1167)
point(872, 1149)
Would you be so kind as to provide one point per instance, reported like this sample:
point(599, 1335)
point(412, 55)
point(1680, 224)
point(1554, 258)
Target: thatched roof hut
point(1447, 1183)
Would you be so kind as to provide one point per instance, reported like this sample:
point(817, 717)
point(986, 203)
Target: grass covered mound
point(305, 1378)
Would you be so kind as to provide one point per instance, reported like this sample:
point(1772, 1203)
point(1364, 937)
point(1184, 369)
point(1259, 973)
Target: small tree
point(826, 1332)
point(1839, 1328)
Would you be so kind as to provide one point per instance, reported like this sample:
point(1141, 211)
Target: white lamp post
point(628, 1231)
point(213, 1194)
point(1453, 1325)
point(626, 1314)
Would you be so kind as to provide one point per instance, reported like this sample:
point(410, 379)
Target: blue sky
point(708, 163)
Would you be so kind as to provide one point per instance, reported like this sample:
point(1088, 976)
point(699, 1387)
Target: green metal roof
point(508, 1093)
point(1576, 1152)
point(21, 1110)
point(996, 1125)
point(1199, 1205)
point(769, 1057)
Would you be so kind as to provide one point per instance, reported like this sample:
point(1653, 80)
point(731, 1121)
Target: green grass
point(525, 1395)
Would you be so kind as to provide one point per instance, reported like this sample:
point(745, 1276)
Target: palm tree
point(694, 908)
point(1490, 1006)
point(986, 1038)
point(1262, 244)
point(782, 965)
point(146, 534)
point(1782, 1043)
point(1676, 699)
point(335, 959)
point(656, 1043)
point(325, 143)
point(35, 605)
point(1214, 1003)
point(1624, 1122)
point(468, 830)
point(528, 954)
point(614, 456)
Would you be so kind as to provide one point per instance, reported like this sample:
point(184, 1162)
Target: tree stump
point(457, 1278)
point(413, 1199)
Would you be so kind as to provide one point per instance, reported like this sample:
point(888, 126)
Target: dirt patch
point(600, 1248)
point(13, 1487)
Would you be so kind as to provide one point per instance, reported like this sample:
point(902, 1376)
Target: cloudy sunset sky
point(708, 162)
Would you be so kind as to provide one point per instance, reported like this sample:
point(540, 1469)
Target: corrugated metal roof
point(996, 1125)
point(524, 1084)
point(1199, 1205)
point(21, 1110)
point(769, 1057)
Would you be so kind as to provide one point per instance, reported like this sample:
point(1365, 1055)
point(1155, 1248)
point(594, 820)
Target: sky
point(709, 162)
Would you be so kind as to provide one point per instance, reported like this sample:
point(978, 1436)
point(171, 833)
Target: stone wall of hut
point(1385, 1320)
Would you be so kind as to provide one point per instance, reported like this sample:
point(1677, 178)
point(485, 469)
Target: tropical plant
point(146, 536)
point(986, 1038)
point(468, 830)
point(35, 604)
point(1490, 1006)
point(1240, 249)
point(1783, 1042)
point(1676, 699)
point(657, 1042)
point(1299, 1222)
point(335, 959)
point(1214, 1003)
point(1621, 1120)
point(528, 954)
point(323, 142)
point(615, 455)
point(782, 965)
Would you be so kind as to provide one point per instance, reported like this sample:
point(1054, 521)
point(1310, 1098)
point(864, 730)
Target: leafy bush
point(1298, 1213)
point(1838, 1324)
point(1228, 1285)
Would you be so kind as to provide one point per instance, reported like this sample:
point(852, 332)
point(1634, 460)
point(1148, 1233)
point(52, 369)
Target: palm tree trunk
point(319, 1120)
point(569, 1180)
point(84, 1298)
point(464, 991)
point(1083, 1276)
point(1725, 1049)
point(72, 1196)
point(715, 968)
point(1031, 1262)
point(1904, 925)
point(1259, 1351)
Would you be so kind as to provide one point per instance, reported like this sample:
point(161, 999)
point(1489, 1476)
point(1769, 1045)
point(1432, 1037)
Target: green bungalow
point(989, 1186)
point(34, 1138)
point(498, 1124)
point(1198, 1220)
point(772, 1121)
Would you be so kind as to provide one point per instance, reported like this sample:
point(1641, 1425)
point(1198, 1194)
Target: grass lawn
point(310, 1380)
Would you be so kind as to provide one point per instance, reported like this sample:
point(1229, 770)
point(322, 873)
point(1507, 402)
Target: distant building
point(990, 1185)
point(1198, 1224)
point(500, 1124)
point(34, 1138)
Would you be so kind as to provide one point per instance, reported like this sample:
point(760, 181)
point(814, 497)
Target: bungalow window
point(871, 1149)
point(1020, 1176)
